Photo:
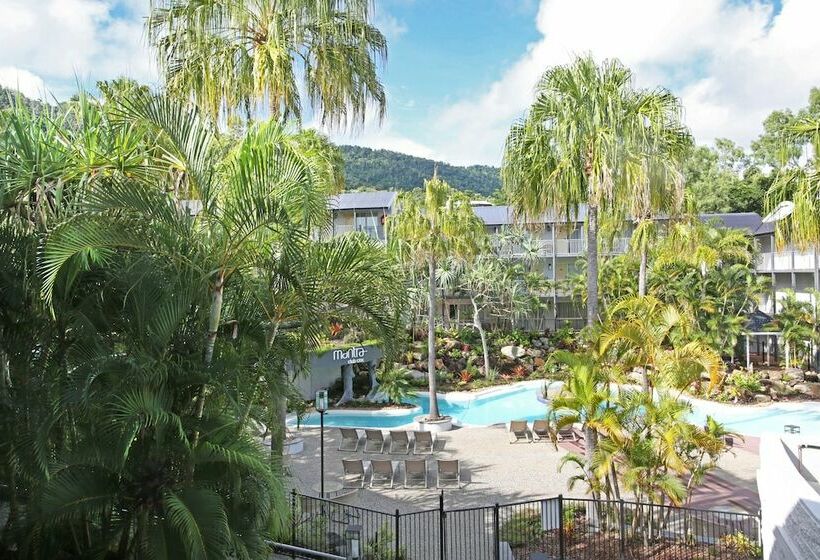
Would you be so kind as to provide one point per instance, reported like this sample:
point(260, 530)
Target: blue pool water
point(522, 403)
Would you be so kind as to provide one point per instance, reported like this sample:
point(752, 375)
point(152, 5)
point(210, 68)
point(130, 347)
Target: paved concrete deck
point(496, 471)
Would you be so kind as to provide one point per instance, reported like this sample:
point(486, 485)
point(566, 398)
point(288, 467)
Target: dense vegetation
point(366, 168)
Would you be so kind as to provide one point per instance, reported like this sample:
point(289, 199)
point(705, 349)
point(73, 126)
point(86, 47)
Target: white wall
point(790, 505)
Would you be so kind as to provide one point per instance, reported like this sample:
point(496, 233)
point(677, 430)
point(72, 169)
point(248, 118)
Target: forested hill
point(386, 170)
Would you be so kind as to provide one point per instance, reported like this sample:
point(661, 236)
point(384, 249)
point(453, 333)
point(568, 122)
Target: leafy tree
point(141, 333)
point(796, 321)
point(230, 55)
point(427, 227)
point(584, 141)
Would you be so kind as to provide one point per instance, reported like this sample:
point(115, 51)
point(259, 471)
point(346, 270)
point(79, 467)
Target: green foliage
point(366, 168)
point(145, 342)
point(395, 384)
point(742, 544)
point(382, 546)
point(744, 385)
point(521, 528)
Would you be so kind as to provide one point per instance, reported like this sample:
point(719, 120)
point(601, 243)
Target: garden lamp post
point(321, 408)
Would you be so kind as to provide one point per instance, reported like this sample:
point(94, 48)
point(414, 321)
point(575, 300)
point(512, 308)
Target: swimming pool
point(522, 402)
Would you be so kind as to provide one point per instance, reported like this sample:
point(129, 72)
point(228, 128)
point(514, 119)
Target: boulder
point(538, 362)
point(811, 390)
point(439, 364)
point(512, 352)
point(450, 343)
point(762, 399)
point(535, 352)
point(416, 374)
point(779, 388)
point(794, 374)
point(636, 377)
point(811, 376)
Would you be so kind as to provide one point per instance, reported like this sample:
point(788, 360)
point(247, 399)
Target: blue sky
point(460, 71)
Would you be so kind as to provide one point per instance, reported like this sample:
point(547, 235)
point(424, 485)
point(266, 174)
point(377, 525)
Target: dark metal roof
point(757, 321)
point(363, 200)
point(750, 221)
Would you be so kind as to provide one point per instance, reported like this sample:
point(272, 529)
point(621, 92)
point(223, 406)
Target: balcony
point(786, 261)
point(376, 232)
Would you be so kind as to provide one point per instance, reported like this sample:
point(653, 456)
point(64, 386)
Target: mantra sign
point(355, 355)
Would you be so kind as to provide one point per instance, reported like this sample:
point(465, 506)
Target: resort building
point(559, 244)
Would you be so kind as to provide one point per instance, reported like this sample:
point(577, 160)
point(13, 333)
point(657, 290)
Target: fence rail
point(550, 528)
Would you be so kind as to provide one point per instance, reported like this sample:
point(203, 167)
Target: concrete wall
point(790, 504)
point(325, 369)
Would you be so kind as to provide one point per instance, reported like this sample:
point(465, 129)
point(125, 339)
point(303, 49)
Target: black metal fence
point(547, 529)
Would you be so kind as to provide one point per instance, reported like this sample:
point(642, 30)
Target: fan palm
point(232, 54)
point(427, 226)
point(584, 141)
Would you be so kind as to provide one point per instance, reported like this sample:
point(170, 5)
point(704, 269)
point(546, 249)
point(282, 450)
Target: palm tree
point(231, 54)
point(173, 291)
point(428, 226)
point(586, 398)
point(644, 333)
point(583, 141)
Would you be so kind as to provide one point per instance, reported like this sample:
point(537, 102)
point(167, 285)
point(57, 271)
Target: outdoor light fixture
point(321, 407)
point(321, 401)
point(353, 535)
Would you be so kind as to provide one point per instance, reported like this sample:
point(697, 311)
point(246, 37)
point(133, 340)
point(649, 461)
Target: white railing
point(570, 246)
point(784, 261)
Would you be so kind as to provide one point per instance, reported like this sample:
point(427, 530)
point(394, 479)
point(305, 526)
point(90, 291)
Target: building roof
point(750, 221)
point(363, 200)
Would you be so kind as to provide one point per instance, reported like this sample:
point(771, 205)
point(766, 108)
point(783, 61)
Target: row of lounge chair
point(375, 442)
point(521, 432)
point(382, 472)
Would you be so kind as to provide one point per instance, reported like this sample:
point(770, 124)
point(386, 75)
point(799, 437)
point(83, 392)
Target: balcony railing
point(376, 232)
point(786, 261)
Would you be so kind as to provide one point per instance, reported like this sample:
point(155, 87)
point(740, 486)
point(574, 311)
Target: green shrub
point(382, 546)
point(742, 545)
point(743, 385)
point(395, 384)
point(521, 528)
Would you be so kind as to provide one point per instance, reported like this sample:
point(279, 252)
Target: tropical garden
point(165, 278)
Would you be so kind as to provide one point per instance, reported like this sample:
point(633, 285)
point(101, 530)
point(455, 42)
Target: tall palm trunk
point(642, 271)
point(431, 340)
point(480, 328)
point(210, 341)
point(592, 264)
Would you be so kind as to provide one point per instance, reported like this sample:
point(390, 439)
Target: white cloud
point(63, 41)
point(379, 136)
point(389, 25)
point(23, 81)
point(731, 63)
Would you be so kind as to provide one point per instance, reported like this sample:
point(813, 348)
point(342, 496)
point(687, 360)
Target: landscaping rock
point(795, 374)
point(811, 376)
point(538, 362)
point(439, 364)
point(417, 374)
point(535, 352)
point(417, 356)
point(762, 399)
point(780, 389)
point(513, 352)
point(809, 389)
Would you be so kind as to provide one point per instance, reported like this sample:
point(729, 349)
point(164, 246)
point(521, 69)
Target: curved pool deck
point(523, 401)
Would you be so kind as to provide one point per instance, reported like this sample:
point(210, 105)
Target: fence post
point(496, 535)
point(441, 527)
point(293, 519)
point(561, 526)
point(622, 527)
point(397, 535)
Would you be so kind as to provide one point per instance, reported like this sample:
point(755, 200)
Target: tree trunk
point(483, 334)
point(433, 414)
point(592, 265)
point(642, 272)
point(210, 341)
